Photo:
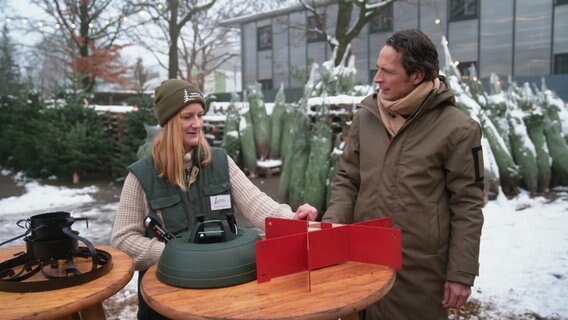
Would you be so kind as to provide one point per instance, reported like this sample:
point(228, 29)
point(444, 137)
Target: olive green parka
point(429, 179)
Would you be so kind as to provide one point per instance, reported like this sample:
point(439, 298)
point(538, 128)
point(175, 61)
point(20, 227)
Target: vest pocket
point(219, 200)
point(214, 189)
point(173, 212)
point(159, 203)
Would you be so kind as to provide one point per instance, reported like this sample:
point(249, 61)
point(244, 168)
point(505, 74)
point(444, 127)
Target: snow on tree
point(276, 123)
point(522, 146)
point(508, 171)
point(553, 130)
point(296, 143)
point(260, 121)
point(231, 136)
point(319, 159)
point(246, 133)
point(146, 148)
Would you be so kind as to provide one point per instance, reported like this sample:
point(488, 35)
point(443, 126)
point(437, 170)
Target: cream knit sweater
point(128, 230)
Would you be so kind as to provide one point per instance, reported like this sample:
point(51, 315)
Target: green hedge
point(43, 140)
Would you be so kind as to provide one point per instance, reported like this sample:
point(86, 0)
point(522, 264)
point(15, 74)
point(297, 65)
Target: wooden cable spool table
point(83, 301)
point(338, 291)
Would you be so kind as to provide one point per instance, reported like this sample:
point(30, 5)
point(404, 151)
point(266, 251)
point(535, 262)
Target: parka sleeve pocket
point(214, 189)
point(165, 201)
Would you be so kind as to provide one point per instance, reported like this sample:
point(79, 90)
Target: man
point(413, 156)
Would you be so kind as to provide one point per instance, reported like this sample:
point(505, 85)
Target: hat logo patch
point(186, 97)
point(191, 96)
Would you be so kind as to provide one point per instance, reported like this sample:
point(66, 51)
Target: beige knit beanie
point(172, 95)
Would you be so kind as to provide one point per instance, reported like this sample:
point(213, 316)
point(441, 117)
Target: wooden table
point(337, 291)
point(82, 301)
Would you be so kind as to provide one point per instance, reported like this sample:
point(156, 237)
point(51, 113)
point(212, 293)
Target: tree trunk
point(173, 64)
point(344, 12)
point(84, 44)
point(75, 178)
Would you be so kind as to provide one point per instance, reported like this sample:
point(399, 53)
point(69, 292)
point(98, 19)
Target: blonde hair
point(168, 152)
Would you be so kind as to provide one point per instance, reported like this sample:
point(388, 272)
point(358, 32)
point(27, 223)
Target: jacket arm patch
point(476, 163)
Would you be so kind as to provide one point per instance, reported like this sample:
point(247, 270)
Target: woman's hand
point(306, 212)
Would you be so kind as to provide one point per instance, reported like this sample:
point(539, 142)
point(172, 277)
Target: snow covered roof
point(112, 108)
point(217, 107)
point(269, 14)
point(340, 99)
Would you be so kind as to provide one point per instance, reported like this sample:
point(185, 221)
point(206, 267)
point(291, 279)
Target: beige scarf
point(393, 112)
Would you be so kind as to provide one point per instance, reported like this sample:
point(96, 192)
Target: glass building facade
point(524, 39)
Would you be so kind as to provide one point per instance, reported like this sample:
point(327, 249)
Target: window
point(560, 2)
point(264, 38)
point(468, 69)
point(266, 84)
point(313, 33)
point(561, 63)
point(382, 22)
point(463, 9)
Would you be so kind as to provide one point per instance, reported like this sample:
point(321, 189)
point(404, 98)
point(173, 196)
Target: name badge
point(221, 202)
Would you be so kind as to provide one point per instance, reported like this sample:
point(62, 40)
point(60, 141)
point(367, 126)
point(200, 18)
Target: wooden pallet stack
point(268, 168)
point(214, 128)
point(341, 110)
point(115, 121)
point(214, 123)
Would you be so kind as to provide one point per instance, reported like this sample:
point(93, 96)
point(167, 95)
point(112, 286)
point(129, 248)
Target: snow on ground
point(44, 198)
point(524, 248)
point(524, 255)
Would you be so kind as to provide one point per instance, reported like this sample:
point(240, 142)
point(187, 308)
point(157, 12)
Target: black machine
point(52, 247)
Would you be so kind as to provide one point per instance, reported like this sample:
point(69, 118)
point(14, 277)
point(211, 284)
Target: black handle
point(153, 223)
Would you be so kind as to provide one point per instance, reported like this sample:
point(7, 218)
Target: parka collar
point(433, 100)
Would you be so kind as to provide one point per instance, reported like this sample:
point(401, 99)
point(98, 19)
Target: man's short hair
point(418, 52)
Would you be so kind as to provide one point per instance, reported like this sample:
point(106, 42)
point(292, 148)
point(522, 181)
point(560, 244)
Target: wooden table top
point(337, 291)
point(61, 302)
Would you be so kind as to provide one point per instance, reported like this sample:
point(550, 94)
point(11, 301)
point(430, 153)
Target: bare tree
point(48, 63)
point(9, 68)
point(189, 35)
point(3, 6)
point(348, 26)
point(166, 22)
point(141, 77)
point(92, 28)
point(208, 46)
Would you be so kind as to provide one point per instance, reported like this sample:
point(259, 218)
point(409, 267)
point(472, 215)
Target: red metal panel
point(328, 247)
point(326, 225)
point(281, 256)
point(385, 222)
point(375, 245)
point(290, 248)
point(277, 227)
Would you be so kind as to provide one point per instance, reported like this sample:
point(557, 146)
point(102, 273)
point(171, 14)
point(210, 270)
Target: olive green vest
point(181, 209)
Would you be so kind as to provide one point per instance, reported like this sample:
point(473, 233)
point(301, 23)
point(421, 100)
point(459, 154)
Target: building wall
point(223, 80)
point(533, 35)
point(297, 47)
point(518, 38)
point(560, 29)
point(496, 37)
point(281, 65)
point(249, 53)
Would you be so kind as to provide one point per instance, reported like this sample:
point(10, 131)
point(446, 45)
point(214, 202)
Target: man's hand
point(306, 212)
point(455, 294)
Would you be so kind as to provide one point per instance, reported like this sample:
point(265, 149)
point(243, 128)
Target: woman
point(185, 181)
